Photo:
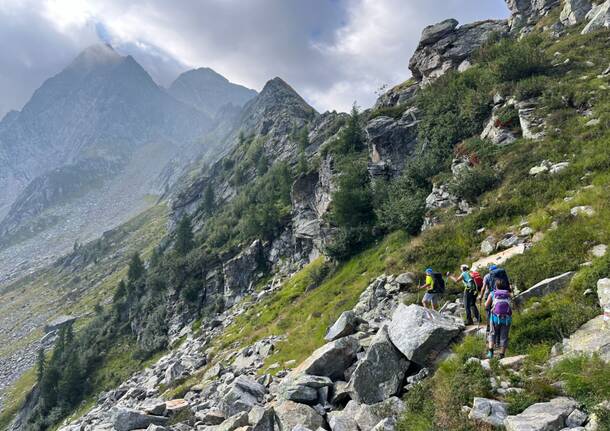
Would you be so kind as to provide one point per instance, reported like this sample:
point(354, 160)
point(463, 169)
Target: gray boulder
point(489, 412)
point(544, 287)
point(173, 372)
point(526, 13)
point(388, 424)
point(421, 334)
point(369, 416)
point(549, 416)
point(488, 246)
point(59, 322)
point(332, 359)
point(299, 393)
point(345, 325)
point(261, 418)
point(243, 394)
point(380, 374)
point(234, 422)
point(406, 279)
point(433, 33)
point(574, 11)
point(344, 420)
point(291, 414)
point(129, 419)
point(598, 17)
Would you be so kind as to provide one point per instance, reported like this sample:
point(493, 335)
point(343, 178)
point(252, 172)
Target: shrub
point(586, 378)
point(513, 60)
point(472, 183)
point(531, 87)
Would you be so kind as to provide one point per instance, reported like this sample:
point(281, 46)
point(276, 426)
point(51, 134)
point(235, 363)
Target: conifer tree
point(184, 236)
point(136, 268)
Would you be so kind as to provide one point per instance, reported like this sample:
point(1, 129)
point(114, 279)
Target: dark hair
point(501, 284)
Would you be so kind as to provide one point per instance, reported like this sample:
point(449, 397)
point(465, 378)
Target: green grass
point(15, 396)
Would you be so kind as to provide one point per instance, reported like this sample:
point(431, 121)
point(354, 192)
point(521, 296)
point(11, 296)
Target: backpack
point(498, 274)
point(478, 280)
point(501, 303)
point(439, 283)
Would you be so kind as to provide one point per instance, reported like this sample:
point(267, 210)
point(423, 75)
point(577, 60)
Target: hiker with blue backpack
point(499, 303)
point(435, 286)
point(472, 282)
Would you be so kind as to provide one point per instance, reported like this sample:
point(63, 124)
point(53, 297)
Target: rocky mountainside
point(103, 114)
point(208, 91)
point(286, 296)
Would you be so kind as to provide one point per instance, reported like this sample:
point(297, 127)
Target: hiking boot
point(468, 322)
point(490, 354)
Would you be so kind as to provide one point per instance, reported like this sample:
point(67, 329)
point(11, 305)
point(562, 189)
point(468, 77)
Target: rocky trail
point(374, 354)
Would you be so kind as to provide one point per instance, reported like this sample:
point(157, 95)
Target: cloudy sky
point(333, 52)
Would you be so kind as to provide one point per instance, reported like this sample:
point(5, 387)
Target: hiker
point(494, 274)
point(498, 301)
point(435, 285)
point(471, 290)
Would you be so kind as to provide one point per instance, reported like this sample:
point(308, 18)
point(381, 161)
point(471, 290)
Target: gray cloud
point(332, 51)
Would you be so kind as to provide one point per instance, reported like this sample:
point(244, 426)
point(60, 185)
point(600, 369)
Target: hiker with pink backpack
point(500, 318)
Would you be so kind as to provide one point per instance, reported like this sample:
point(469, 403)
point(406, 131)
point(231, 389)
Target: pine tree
point(136, 268)
point(209, 199)
point(352, 137)
point(184, 236)
point(40, 365)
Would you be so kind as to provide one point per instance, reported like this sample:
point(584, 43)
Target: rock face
point(526, 13)
point(550, 416)
point(379, 375)
point(391, 142)
point(497, 134)
point(240, 272)
point(421, 334)
point(574, 11)
point(397, 95)
point(545, 287)
point(445, 46)
point(598, 17)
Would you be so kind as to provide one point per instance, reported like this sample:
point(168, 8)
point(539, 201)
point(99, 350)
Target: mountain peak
point(208, 91)
point(100, 54)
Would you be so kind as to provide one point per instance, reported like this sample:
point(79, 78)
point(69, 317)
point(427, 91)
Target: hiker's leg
point(467, 307)
point(504, 339)
point(477, 315)
point(434, 301)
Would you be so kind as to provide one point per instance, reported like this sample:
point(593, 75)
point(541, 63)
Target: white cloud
point(332, 52)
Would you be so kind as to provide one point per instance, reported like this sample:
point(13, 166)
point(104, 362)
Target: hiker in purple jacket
point(499, 303)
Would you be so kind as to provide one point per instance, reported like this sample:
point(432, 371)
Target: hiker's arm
point(488, 302)
point(483, 293)
point(455, 280)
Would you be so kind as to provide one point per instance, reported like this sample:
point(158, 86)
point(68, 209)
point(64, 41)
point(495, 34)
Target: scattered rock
point(291, 414)
point(488, 246)
point(549, 416)
point(344, 326)
point(582, 210)
point(513, 362)
point(243, 394)
point(599, 250)
point(490, 412)
point(130, 419)
point(576, 419)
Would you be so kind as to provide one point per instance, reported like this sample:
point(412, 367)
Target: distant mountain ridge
point(209, 91)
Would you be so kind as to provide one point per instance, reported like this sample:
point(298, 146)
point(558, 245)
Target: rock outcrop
point(574, 11)
point(550, 416)
point(446, 46)
point(526, 13)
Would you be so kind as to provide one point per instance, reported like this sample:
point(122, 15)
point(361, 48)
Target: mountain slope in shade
point(209, 91)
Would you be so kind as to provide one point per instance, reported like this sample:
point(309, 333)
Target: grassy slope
point(63, 293)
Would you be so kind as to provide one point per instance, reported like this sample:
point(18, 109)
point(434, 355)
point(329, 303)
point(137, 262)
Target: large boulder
point(304, 388)
point(598, 17)
point(574, 11)
point(445, 46)
point(233, 423)
point(421, 334)
point(489, 412)
point(379, 375)
point(262, 419)
point(498, 134)
point(591, 338)
point(129, 419)
point(332, 359)
point(549, 416)
point(545, 287)
point(345, 325)
point(291, 414)
point(243, 394)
